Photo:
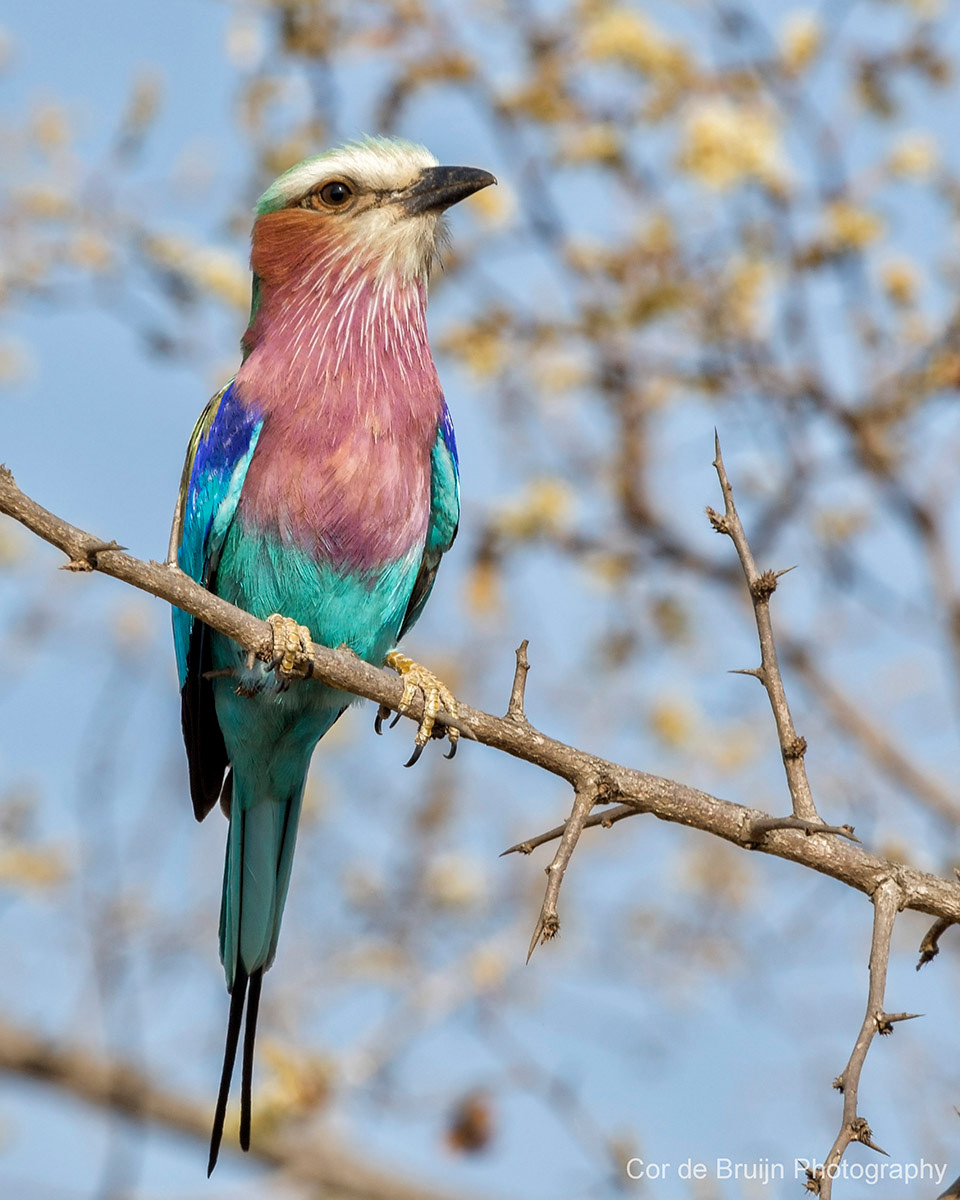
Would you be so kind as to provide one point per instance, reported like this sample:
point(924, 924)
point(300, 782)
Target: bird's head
point(376, 204)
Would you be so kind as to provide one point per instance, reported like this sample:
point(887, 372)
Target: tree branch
point(854, 1128)
point(331, 1171)
point(761, 587)
point(663, 798)
point(548, 923)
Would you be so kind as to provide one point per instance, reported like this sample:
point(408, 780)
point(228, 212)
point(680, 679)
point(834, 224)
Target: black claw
point(382, 712)
point(414, 757)
point(395, 720)
point(453, 749)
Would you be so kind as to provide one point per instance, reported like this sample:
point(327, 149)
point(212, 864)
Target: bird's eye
point(336, 193)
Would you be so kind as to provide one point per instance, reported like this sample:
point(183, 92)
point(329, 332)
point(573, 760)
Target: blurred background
point(734, 215)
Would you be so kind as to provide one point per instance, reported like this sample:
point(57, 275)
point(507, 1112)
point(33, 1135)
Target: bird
point(320, 492)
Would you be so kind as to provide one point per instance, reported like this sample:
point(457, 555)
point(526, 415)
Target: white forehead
point(384, 164)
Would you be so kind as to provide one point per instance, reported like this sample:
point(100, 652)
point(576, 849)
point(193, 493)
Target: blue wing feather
point(444, 516)
point(218, 456)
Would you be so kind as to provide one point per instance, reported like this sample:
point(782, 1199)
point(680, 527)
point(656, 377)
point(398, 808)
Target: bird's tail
point(256, 876)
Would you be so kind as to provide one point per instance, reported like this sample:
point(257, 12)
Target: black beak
point(437, 188)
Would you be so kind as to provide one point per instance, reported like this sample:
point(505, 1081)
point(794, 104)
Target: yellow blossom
point(556, 371)
point(724, 144)
point(14, 362)
point(493, 206)
point(543, 508)
point(914, 156)
point(483, 586)
point(746, 290)
point(46, 202)
point(454, 881)
point(12, 545)
point(222, 274)
point(479, 345)
point(837, 526)
point(673, 722)
point(900, 282)
point(50, 127)
point(90, 251)
point(800, 41)
point(24, 866)
point(488, 968)
point(296, 1084)
point(852, 227)
point(211, 270)
point(600, 142)
point(657, 236)
point(608, 571)
point(629, 37)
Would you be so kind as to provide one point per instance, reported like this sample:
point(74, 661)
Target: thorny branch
point(616, 784)
point(854, 1128)
point(548, 922)
point(801, 838)
point(761, 587)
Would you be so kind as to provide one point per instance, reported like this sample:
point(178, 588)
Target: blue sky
point(96, 432)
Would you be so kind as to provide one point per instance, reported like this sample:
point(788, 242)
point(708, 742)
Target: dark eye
point(336, 193)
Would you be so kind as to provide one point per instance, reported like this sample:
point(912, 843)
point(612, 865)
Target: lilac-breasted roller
point(320, 491)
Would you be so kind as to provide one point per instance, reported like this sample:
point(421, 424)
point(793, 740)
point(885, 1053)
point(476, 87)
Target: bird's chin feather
point(393, 247)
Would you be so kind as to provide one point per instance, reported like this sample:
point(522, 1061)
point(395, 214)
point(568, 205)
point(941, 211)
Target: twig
point(515, 710)
point(886, 904)
point(930, 946)
point(758, 830)
point(548, 922)
point(606, 818)
point(762, 586)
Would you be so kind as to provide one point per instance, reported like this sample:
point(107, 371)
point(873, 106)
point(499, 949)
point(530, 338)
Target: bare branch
point(930, 946)
point(886, 905)
point(515, 707)
point(608, 817)
point(330, 1170)
point(758, 831)
point(548, 922)
point(663, 798)
point(761, 587)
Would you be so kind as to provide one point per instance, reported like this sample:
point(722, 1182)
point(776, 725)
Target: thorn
point(718, 522)
point(886, 1021)
point(87, 561)
point(535, 939)
point(547, 927)
point(519, 848)
point(754, 672)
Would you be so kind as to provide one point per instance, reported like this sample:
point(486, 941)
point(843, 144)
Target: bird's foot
point(436, 694)
point(292, 649)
